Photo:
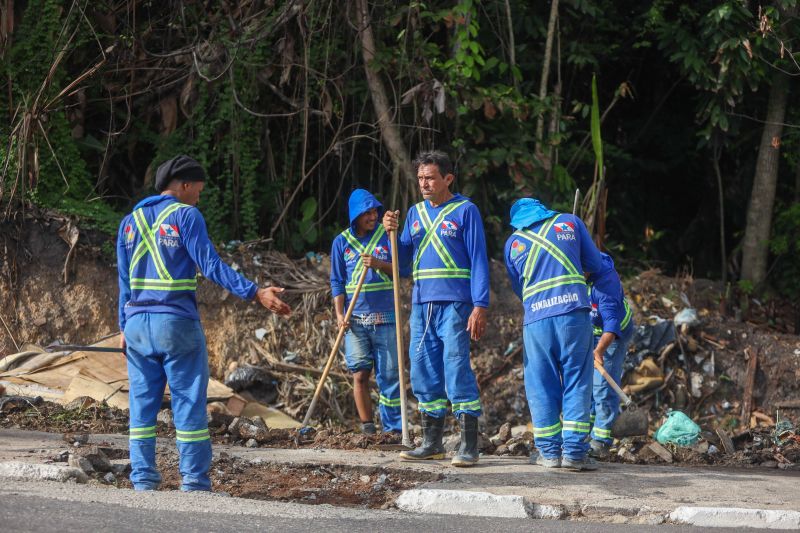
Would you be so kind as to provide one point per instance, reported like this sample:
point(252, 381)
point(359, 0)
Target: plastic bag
point(678, 429)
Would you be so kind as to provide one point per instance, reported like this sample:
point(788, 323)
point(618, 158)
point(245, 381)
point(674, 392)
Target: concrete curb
point(736, 517)
point(19, 471)
point(462, 502)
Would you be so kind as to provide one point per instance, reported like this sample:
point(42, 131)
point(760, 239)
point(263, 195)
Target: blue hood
point(152, 200)
point(360, 202)
point(528, 211)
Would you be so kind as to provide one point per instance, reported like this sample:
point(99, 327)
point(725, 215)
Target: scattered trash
point(678, 429)
point(687, 317)
point(257, 382)
point(261, 333)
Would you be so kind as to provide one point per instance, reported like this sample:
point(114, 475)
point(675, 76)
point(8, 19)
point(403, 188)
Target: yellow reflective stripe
point(149, 242)
point(434, 405)
point(602, 433)
point(434, 273)
point(577, 427)
point(628, 314)
point(474, 405)
point(363, 250)
point(164, 285)
point(548, 431)
point(388, 402)
point(192, 436)
point(552, 249)
point(371, 287)
point(540, 286)
point(597, 331)
point(533, 253)
point(430, 234)
point(142, 433)
point(142, 248)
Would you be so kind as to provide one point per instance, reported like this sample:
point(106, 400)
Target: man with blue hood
point(444, 241)
point(159, 247)
point(546, 258)
point(612, 325)
point(370, 341)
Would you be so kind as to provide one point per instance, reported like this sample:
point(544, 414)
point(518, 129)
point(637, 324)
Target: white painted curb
point(462, 502)
point(736, 517)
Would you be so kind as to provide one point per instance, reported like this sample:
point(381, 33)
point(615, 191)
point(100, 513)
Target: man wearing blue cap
point(546, 258)
point(159, 247)
point(443, 238)
point(612, 323)
point(370, 342)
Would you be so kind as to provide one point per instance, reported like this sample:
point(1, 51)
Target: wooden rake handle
point(625, 397)
point(335, 348)
point(399, 336)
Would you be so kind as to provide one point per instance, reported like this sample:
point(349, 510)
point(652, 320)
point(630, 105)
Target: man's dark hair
point(434, 157)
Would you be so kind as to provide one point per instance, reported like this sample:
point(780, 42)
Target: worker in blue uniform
point(546, 258)
point(444, 242)
point(159, 247)
point(612, 325)
point(370, 341)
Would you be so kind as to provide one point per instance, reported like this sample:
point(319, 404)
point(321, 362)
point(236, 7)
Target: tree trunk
point(548, 54)
point(762, 198)
point(405, 180)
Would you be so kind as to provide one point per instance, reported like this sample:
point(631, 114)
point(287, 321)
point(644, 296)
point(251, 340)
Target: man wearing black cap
point(160, 245)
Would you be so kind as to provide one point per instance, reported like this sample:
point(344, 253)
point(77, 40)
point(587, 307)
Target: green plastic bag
point(678, 429)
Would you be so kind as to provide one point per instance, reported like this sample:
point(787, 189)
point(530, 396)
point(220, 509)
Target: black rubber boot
point(431, 448)
point(467, 454)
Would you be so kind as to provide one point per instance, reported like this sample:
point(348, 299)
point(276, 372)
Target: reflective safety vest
point(598, 331)
point(383, 282)
point(432, 238)
point(540, 243)
point(149, 246)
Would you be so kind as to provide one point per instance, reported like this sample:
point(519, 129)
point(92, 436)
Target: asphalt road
point(23, 513)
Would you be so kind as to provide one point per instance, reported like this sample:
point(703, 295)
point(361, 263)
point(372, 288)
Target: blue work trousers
point(439, 353)
point(558, 382)
point(605, 401)
point(164, 348)
point(375, 346)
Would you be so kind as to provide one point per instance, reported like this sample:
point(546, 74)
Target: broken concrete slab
point(18, 471)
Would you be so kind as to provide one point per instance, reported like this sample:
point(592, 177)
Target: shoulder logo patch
point(564, 226)
point(517, 248)
point(415, 227)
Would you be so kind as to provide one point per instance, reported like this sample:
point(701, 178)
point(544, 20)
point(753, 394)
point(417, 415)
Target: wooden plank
point(85, 386)
point(726, 441)
point(662, 452)
point(750, 381)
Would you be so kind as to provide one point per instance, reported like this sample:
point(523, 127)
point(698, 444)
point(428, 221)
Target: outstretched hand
point(269, 299)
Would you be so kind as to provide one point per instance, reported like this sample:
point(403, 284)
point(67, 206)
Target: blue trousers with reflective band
point(605, 402)
point(375, 346)
point(439, 353)
point(165, 348)
point(558, 382)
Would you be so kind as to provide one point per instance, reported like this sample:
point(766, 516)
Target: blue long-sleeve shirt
point(556, 285)
point(610, 312)
point(183, 244)
point(461, 234)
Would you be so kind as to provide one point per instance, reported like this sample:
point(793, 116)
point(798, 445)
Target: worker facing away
point(546, 258)
point(612, 325)
point(370, 341)
point(443, 241)
point(159, 247)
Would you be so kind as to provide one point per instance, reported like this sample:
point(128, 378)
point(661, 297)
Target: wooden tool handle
point(399, 334)
point(625, 397)
point(335, 349)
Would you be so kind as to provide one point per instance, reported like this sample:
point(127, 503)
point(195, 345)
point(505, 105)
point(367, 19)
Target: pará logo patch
point(349, 254)
point(517, 248)
point(168, 230)
point(564, 226)
point(415, 227)
point(448, 228)
point(129, 236)
point(565, 231)
point(168, 235)
point(381, 252)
